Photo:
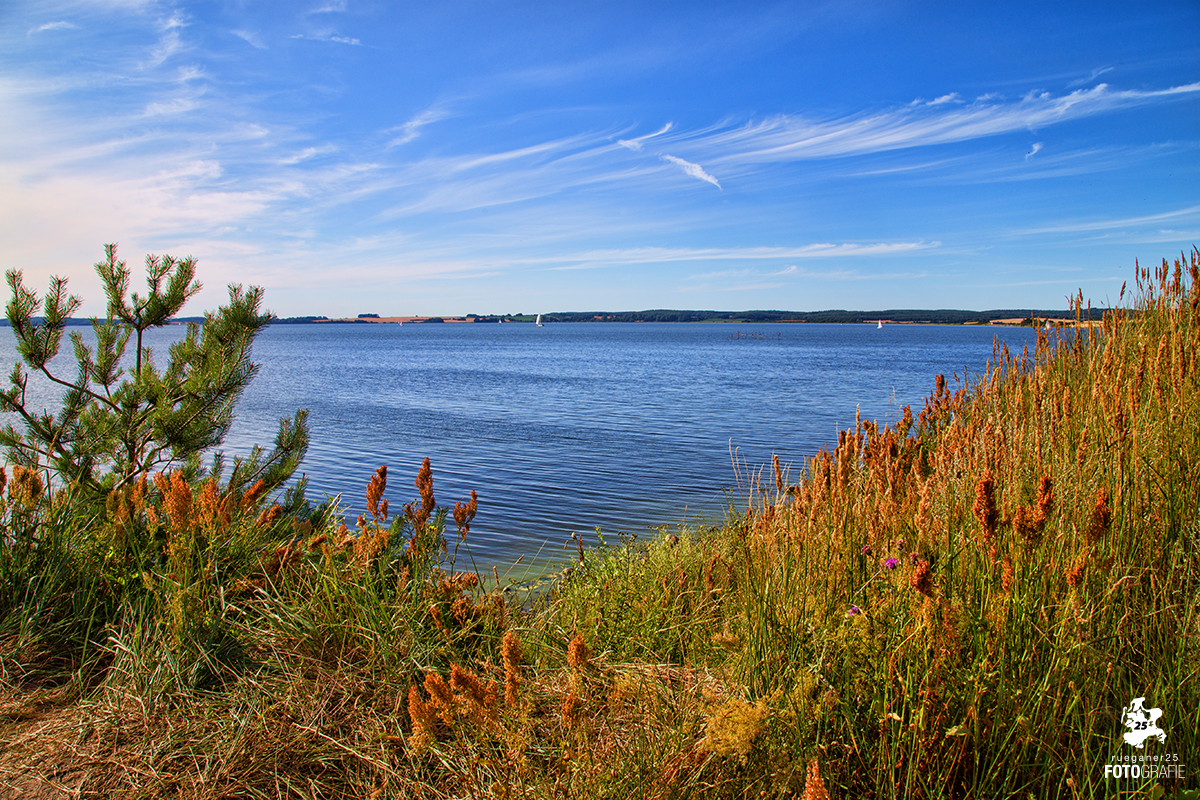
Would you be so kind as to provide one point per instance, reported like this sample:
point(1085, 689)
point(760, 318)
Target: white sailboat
point(538, 321)
point(881, 323)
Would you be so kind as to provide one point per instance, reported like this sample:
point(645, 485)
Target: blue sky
point(454, 157)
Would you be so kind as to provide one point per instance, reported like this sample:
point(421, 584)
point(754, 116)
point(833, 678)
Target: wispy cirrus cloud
point(307, 153)
point(791, 269)
point(659, 255)
point(1191, 212)
point(736, 287)
point(350, 40)
point(1033, 150)
point(786, 138)
point(412, 129)
point(52, 26)
point(637, 143)
point(938, 101)
point(997, 165)
point(735, 279)
point(178, 105)
point(1096, 73)
point(251, 38)
point(169, 42)
point(330, 8)
point(694, 170)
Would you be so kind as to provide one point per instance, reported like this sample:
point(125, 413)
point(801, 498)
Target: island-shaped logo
point(1142, 723)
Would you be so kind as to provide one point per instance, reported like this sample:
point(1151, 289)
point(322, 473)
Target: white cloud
point(307, 153)
point(662, 255)
point(787, 138)
point(694, 170)
point(179, 105)
point(740, 287)
point(635, 144)
point(52, 26)
point(717, 280)
point(1096, 73)
point(330, 8)
point(167, 46)
point(937, 101)
point(745, 273)
point(251, 38)
point(339, 39)
point(545, 148)
point(412, 129)
point(946, 98)
point(1118, 224)
point(1033, 150)
point(169, 42)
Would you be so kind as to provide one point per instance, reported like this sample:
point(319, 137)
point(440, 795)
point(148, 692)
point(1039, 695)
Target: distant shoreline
point(1011, 317)
point(1007, 317)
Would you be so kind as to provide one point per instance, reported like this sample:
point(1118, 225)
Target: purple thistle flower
point(866, 551)
point(891, 563)
point(854, 611)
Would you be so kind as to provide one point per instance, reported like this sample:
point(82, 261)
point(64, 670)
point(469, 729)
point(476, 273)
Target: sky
point(446, 158)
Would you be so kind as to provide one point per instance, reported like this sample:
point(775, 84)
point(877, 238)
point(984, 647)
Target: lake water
point(572, 427)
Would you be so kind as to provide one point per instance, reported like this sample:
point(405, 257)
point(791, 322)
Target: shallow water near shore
point(572, 427)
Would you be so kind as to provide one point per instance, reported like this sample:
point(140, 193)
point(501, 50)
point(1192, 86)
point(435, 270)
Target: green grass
point(150, 652)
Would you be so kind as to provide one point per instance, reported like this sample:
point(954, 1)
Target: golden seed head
point(922, 579)
point(985, 505)
point(26, 484)
point(1075, 574)
point(270, 516)
point(1025, 524)
point(375, 490)
point(208, 504)
point(463, 609)
point(254, 494)
point(464, 513)
point(577, 653)
point(510, 652)
point(177, 499)
point(440, 696)
point(477, 697)
point(814, 787)
point(572, 707)
point(1045, 495)
point(1101, 519)
point(424, 483)
point(421, 715)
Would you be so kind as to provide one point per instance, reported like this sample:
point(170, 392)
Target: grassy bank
point(958, 605)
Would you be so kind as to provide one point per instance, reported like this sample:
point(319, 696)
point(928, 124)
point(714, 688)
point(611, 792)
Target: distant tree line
point(941, 316)
point(944, 316)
